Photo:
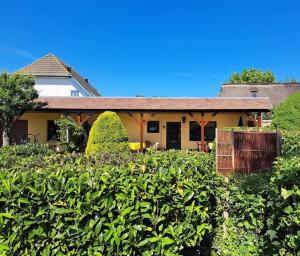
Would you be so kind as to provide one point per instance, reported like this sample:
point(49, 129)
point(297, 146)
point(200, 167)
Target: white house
point(54, 78)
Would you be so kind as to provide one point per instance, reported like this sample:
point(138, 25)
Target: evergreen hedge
point(162, 203)
point(107, 135)
point(287, 114)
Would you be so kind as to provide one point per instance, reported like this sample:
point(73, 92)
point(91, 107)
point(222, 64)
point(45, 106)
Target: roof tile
point(157, 104)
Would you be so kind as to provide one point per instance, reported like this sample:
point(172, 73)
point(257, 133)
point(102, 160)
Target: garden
point(110, 201)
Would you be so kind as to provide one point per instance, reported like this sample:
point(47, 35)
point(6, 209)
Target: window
point(254, 93)
point(74, 93)
point(153, 127)
point(52, 130)
point(209, 131)
point(251, 124)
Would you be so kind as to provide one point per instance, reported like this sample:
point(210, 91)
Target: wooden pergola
point(202, 122)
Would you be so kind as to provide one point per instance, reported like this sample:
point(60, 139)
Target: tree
point(107, 135)
point(287, 114)
point(252, 76)
point(17, 95)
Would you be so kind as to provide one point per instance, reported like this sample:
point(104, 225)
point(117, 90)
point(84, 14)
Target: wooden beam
point(78, 118)
point(259, 121)
point(252, 118)
point(210, 118)
point(141, 132)
point(87, 118)
point(202, 123)
point(71, 118)
point(202, 129)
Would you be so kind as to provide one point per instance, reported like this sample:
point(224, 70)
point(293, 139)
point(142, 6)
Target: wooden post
point(78, 118)
point(202, 132)
point(278, 142)
point(259, 121)
point(232, 151)
point(217, 148)
point(141, 133)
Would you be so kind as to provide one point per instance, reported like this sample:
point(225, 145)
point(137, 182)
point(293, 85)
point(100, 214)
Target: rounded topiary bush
point(107, 135)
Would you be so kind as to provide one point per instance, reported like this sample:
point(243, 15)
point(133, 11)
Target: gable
point(51, 66)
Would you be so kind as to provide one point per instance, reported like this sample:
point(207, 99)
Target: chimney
point(69, 69)
point(87, 80)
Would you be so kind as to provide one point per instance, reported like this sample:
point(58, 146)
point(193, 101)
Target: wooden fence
point(246, 151)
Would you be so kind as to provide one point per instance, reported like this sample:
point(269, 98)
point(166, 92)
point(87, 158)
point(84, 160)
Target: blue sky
point(154, 47)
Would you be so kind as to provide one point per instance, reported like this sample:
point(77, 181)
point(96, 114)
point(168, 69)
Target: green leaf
point(7, 215)
point(167, 240)
point(286, 193)
point(63, 211)
point(142, 243)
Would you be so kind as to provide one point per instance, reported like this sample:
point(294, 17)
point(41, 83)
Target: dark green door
point(173, 135)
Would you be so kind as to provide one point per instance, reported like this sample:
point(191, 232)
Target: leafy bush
point(20, 151)
point(244, 201)
point(287, 114)
point(283, 232)
point(69, 133)
point(290, 143)
point(107, 135)
point(161, 203)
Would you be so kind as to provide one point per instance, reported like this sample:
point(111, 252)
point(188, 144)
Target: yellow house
point(179, 123)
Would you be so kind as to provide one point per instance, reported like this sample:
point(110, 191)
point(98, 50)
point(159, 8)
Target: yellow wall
point(132, 127)
point(37, 124)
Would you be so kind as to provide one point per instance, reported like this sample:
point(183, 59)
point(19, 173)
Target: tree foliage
point(287, 114)
point(107, 135)
point(16, 96)
point(252, 76)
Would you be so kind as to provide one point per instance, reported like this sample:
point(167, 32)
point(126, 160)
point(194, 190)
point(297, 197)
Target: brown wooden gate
point(246, 151)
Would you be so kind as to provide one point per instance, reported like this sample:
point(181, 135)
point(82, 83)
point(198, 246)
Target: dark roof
point(52, 66)
point(275, 92)
point(157, 104)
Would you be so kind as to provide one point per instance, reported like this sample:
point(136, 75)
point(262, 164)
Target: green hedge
point(107, 135)
point(161, 203)
point(290, 143)
point(287, 114)
point(283, 208)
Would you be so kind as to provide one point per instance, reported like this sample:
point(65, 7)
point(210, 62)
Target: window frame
point(158, 126)
point(76, 92)
point(198, 136)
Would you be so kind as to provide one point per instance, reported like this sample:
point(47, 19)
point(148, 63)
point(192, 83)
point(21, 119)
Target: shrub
point(26, 150)
point(69, 133)
point(107, 135)
point(287, 114)
point(23, 156)
point(244, 200)
point(283, 233)
point(163, 203)
point(290, 143)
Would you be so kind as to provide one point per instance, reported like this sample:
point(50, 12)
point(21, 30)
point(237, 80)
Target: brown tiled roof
point(52, 66)
point(275, 92)
point(157, 104)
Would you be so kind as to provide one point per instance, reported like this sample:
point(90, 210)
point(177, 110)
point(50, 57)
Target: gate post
point(232, 151)
point(278, 142)
point(217, 153)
